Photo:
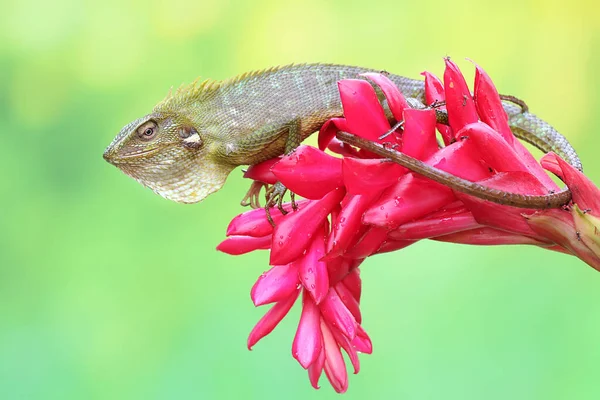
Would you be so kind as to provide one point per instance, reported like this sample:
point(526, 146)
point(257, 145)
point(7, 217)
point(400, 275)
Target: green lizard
point(190, 142)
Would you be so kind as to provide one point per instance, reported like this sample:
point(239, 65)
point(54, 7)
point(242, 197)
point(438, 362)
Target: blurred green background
point(110, 292)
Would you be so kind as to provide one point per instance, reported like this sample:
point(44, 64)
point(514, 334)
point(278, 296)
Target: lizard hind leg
point(276, 193)
point(252, 150)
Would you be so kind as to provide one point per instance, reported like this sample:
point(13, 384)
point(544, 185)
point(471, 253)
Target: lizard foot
point(274, 195)
point(398, 125)
point(253, 195)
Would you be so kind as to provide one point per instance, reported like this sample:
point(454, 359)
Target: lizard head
point(165, 152)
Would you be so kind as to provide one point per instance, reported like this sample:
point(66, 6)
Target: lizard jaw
point(110, 155)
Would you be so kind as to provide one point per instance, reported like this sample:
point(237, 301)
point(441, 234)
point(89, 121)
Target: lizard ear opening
point(191, 137)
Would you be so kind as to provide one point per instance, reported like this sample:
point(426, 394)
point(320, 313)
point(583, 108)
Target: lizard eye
point(147, 130)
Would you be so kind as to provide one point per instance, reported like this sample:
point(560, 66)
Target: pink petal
point(364, 115)
point(394, 97)
point(343, 149)
point(236, 245)
point(294, 233)
point(585, 194)
point(354, 264)
point(516, 182)
point(349, 301)
point(501, 156)
point(426, 228)
point(270, 320)
point(262, 171)
point(588, 228)
point(307, 343)
point(362, 342)
point(353, 283)
point(550, 162)
point(370, 175)
point(313, 272)
point(434, 91)
point(368, 244)
point(533, 166)
point(558, 226)
point(335, 312)
point(337, 269)
point(348, 348)
point(491, 111)
point(335, 367)
point(504, 217)
point(276, 284)
point(329, 129)
point(419, 139)
point(487, 237)
point(348, 224)
point(315, 370)
point(489, 106)
point(459, 103)
point(393, 245)
point(255, 223)
point(309, 172)
point(492, 147)
point(454, 208)
point(558, 248)
point(461, 159)
point(412, 197)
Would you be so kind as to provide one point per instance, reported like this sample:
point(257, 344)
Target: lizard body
point(186, 147)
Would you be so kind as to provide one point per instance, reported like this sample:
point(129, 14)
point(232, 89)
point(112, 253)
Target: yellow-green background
point(110, 292)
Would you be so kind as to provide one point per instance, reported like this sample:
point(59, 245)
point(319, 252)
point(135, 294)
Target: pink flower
point(358, 205)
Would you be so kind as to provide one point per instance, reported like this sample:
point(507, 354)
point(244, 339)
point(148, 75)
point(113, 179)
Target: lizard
point(185, 148)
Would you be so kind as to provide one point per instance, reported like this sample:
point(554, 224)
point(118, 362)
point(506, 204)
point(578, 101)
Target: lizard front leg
point(263, 144)
point(276, 192)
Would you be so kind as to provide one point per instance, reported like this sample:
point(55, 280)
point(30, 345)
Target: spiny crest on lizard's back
point(199, 90)
point(185, 94)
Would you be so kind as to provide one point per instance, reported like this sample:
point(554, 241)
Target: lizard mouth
point(123, 158)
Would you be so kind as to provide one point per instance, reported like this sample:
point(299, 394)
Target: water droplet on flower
point(312, 286)
point(280, 243)
point(310, 270)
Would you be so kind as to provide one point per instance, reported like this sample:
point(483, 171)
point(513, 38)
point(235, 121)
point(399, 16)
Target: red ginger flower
point(360, 205)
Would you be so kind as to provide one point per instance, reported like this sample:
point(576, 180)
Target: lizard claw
point(253, 194)
point(274, 195)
